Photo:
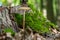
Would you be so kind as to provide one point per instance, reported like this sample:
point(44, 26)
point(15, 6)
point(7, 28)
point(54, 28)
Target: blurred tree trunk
point(50, 12)
point(41, 6)
point(57, 9)
point(58, 12)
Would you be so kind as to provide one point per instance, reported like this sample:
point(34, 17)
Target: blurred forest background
point(49, 8)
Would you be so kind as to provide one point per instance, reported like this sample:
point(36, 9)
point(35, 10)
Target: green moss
point(6, 30)
point(35, 20)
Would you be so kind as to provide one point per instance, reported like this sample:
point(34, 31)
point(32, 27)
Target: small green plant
point(9, 30)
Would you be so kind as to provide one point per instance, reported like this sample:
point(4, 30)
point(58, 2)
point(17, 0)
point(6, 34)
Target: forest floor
point(55, 35)
point(37, 36)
